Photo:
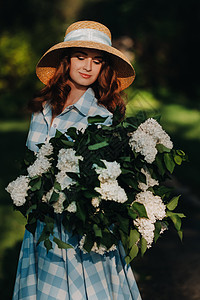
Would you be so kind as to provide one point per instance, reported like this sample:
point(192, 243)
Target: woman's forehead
point(87, 51)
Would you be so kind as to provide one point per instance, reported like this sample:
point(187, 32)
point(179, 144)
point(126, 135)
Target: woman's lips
point(85, 75)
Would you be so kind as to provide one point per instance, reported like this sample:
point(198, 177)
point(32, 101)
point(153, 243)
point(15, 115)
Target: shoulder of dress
point(98, 109)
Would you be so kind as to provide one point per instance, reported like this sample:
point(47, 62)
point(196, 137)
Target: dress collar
point(82, 105)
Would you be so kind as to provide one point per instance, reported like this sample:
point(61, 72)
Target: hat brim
point(48, 63)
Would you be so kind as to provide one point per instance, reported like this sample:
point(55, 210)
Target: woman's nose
point(88, 64)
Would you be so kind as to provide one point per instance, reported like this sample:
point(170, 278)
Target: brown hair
point(106, 88)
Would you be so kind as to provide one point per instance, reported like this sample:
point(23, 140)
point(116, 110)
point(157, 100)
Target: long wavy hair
point(106, 89)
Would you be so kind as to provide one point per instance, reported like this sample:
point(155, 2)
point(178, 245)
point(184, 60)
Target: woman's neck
point(75, 93)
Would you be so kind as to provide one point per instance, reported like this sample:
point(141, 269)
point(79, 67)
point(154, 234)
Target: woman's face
point(85, 66)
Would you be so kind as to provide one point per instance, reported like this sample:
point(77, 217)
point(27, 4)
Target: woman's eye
point(97, 62)
point(80, 57)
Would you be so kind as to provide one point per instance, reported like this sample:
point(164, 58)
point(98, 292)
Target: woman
point(83, 76)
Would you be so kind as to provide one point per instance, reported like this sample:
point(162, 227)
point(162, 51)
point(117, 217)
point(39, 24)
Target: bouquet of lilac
point(108, 183)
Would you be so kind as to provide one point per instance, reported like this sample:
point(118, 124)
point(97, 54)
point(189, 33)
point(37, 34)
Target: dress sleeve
point(108, 121)
point(27, 140)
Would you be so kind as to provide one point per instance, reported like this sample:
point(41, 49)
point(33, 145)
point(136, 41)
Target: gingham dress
point(69, 274)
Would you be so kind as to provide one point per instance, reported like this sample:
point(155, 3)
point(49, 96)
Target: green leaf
point(129, 180)
point(44, 236)
point(170, 213)
point(161, 148)
point(90, 194)
point(127, 259)
point(108, 238)
point(80, 212)
point(33, 207)
point(169, 162)
point(143, 245)
point(61, 244)
point(180, 152)
point(72, 132)
point(48, 219)
point(67, 143)
point(36, 184)
point(142, 178)
point(132, 214)
point(125, 158)
point(173, 203)
point(160, 164)
point(97, 230)
point(58, 134)
point(140, 209)
point(124, 240)
point(48, 245)
point(54, 197)
point(180, 234)
point(133, 237)
point(88, 243)
point(123, 223)
point(178, 160)
point(57, 186)
point(98, 145)
point(157, 231)
point(134, 251)
point(31, 227)
point(176, 220)
point(96, 119)
point(181, 215)
point(50, 227)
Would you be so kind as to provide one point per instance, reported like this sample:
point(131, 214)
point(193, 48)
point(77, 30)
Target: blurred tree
point(165, 37)
point(27, 29)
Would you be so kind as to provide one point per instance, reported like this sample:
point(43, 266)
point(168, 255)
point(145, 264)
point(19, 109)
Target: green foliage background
point(166, 53)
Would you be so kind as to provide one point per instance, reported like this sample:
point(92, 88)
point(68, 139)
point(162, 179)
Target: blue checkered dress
point(69, 274)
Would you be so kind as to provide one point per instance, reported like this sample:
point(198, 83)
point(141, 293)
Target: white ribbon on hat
point(88, 34)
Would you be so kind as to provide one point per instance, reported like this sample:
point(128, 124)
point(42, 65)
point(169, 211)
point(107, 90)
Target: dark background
point(162, 38)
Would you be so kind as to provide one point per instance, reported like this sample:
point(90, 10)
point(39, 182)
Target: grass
point(19, 126)
point(175, 118)
point(11, 223)
point(183, 125)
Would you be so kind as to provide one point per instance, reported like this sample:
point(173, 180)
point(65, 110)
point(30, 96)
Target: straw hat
point(86, 34)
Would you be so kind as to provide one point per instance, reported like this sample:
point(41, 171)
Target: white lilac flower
point(146, 228)
point(110, 190)
point(18, 190)
point(58, 205)
point(82, 242)
point(143, 143)
point(154, 205)
point(41, 165)
point(100, 250)
point(64, 180)
point(96, 201)
point(68, 161)
point(152, 127)
point(45, 150)
point(46, 197)
point(163, 227)
point(150, 182)
point(72, 207)
point(146, 137)
point(111, 172)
